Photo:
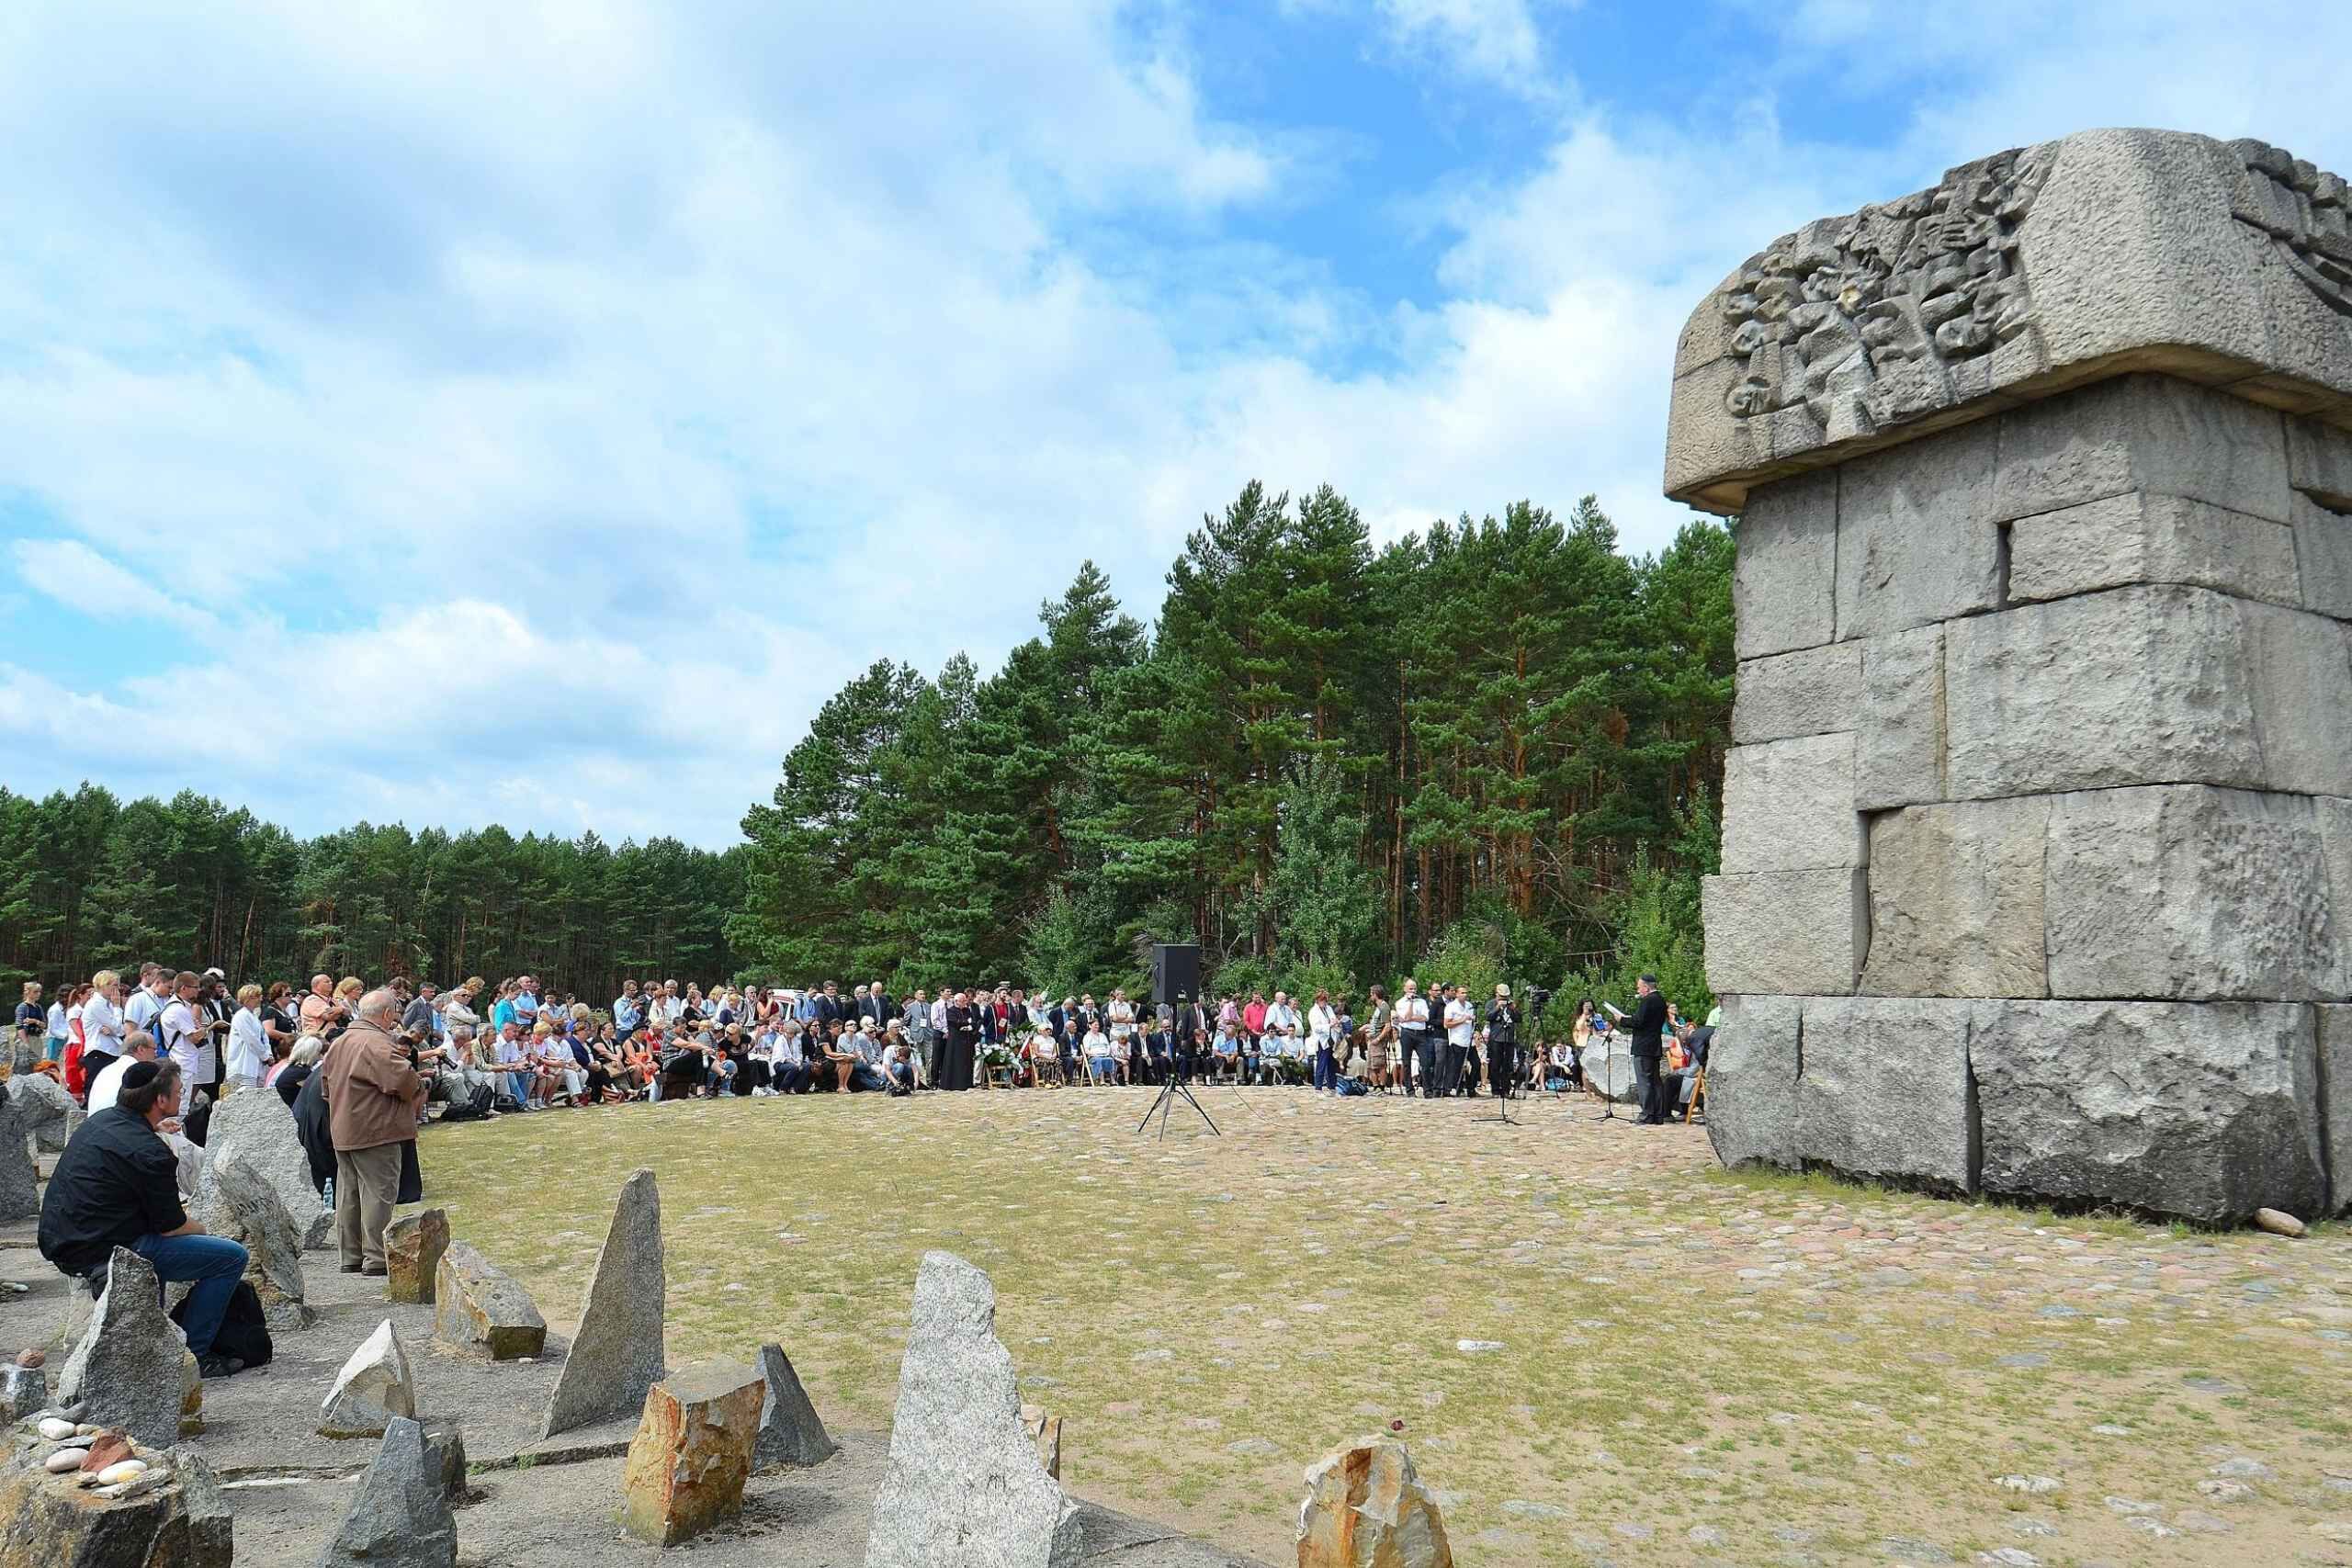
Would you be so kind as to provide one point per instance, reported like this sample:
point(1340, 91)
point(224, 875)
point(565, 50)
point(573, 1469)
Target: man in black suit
point(874, 1009)
point(1644, 1027)
point(1159, 1054)
point(830, 1009)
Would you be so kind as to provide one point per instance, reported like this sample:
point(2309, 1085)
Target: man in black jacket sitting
point(118, 1185)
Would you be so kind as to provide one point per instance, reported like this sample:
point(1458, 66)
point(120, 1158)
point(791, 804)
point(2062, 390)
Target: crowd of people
point(362, 1069)
point(486, 1051)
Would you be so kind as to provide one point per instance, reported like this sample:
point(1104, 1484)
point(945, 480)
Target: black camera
point(1538, 998)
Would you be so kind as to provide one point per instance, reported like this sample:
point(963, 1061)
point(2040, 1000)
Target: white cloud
point(558, 406)
point(86, 582)
point(1494, 38)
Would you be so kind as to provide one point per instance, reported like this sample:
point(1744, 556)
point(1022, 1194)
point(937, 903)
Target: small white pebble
point(56, 1430)
point(64, 1459)
point(122, 1470)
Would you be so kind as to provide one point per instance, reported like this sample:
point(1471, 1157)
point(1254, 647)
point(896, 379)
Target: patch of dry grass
point(1775, 1363)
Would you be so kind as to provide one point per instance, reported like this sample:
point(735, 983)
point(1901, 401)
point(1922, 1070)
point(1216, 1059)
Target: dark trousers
point(1423, 1050)
point(1652, 1084)
point(1502, 1066)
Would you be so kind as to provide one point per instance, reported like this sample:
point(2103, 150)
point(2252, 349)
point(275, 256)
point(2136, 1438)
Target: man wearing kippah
point(117, 1185)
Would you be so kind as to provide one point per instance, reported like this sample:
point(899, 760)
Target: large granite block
point(1784, 578)
point(1789, 806)
point(1899, 739)
point(1885, 1090)
point(2204, 1110)
point(2188, 892)
point(2139, 537)
point(2324, 554)
point(1752, 1071)
point(1785, 931)
point(2335, 1101)
point(1956, 900)
point(1814, 690)
point(2138, 686)
point(2300, 670)
point(1916, 539)
point(2020, 277)
point(2153, 434)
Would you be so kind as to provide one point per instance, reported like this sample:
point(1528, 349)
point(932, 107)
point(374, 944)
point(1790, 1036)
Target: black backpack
point(245, 1332)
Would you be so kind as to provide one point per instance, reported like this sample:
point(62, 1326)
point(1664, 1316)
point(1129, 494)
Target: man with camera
point(1502, 1043)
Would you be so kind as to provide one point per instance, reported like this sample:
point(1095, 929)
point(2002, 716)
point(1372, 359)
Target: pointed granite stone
point(617, 1354)
point(964, 1483)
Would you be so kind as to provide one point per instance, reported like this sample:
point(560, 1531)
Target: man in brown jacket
point(373, 1092)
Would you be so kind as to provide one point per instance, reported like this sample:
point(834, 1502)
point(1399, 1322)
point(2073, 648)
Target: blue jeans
point(214, 1262)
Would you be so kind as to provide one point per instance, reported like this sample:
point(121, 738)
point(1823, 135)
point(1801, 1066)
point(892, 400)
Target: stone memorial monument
point(2037, 869)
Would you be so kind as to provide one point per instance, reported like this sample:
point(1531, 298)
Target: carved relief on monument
point(1892, 313)
point(2306, 212)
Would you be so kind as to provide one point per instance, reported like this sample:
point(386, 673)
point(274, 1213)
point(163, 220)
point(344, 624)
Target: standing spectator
point(1322, 1021)
point(963, 1043)
point(219, 1009)
point(939, 1042)
point(184, 1036)
point(628, 1011)
point(1461, 1023)
point(248, 1051)
point(422, 1019)
point(1415, 1050)
point(62, 1014)
point(117, 1185)
point(318, 1008)
point(147, 1002)
point(33, 1025)
point(1643, 1030)
point(1502, 1043)
point(102, 1025)
point(373, 1095)
point(1253, 1020)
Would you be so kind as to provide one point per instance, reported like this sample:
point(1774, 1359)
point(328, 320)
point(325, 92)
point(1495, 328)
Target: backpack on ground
point(245, 1332)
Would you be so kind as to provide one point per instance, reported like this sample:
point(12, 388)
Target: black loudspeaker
point(1175, 971)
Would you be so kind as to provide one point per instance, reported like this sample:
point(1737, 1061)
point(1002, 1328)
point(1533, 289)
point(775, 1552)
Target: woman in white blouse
point(248, 1054)
point(101, 1024)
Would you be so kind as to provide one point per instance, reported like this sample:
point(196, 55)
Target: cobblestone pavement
point(1602, 1347)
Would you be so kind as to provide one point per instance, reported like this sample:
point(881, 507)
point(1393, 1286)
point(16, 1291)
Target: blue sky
point(531, 413)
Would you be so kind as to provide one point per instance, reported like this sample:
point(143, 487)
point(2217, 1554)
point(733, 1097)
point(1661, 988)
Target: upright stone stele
point(2037, 862)
point(126, 1370)
point(400, 1518)
point(964, 1483)
point(617, 1353)
point(20, 1179)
